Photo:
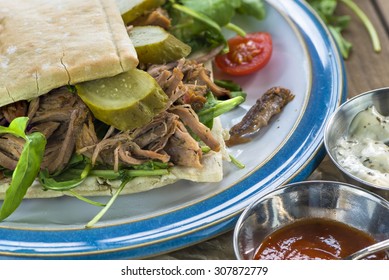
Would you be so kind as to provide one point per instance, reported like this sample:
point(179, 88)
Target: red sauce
point(315, 239)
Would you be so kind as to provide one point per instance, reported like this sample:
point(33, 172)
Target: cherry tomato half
point(246, 54)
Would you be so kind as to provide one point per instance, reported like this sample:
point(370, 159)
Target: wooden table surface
point(365, 70)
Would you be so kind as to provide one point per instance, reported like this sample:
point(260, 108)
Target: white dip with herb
point(364, 152)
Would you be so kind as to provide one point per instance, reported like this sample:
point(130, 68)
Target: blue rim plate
point(305, 60)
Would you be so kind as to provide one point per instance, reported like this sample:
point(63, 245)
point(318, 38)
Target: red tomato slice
point(246, 55)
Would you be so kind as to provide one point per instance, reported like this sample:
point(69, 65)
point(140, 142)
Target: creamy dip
point(363, 151)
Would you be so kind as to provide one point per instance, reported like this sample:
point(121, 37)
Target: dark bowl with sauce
point(356, 139)
point(312, 220)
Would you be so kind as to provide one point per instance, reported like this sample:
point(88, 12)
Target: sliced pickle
point(126, 101)
point(131, 9)
point(154, 44)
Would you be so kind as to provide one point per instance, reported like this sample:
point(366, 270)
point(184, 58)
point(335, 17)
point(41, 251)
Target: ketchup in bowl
point(315, 239)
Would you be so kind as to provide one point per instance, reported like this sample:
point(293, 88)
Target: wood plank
point(366, 70)
point(382, 8)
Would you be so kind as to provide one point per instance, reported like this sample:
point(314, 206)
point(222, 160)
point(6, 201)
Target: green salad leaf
point(64, 181)
point(252, 8)
point(336, 24)
point(220, 11)
point(27, 167)
point(200, 23)
point(214, 107)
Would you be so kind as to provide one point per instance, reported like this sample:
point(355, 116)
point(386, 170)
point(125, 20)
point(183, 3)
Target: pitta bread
point(212, 171)
point(46, 44)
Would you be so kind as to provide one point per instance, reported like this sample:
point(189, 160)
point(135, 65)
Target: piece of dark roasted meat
point(270, 104)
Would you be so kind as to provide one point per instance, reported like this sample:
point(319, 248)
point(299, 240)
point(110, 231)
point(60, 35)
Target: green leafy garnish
point(66, 180)
point(74, 175)
point(200, 23)
point(234, 88)
point(126, 176)
point(337, 24)
point(80, 168)
point(99, 215)
point(236, 162)
point(27, 167)
point(214, 107)
point(252, 8)
point(83, 198)
point(228, 84)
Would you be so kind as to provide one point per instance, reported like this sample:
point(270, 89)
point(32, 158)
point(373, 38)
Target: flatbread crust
point(212, 171)
point(46, 44)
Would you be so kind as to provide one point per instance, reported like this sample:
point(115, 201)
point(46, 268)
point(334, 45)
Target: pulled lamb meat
point(10, 149)
point(136, 146)
point(192, 74)
point(14, 110)
point(58, 115)
point(69, 127)
point(190, 119)
point(157, 17)
point(154, 141)
point(183, 149)
point(259, 115)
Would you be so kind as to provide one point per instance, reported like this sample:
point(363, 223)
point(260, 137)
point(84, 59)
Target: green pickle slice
point(153, 44)
point(126, 101)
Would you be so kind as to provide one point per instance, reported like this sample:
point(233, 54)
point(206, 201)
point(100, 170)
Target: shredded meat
point(10, 149)
point(46, 128)
point(14, 110)
point(87, 139)
point(186, 82)
point(69, 126)
point(183, 149)
point(190, 119)
point(170, 80)
point(155, 135)
point(157, 17)
point(63, 147)
point(59, 116)
point(7, 161)
point(33, 108)
point(151, 142)
point(270, 104)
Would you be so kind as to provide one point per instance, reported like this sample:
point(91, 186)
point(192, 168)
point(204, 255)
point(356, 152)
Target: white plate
point(306, 61)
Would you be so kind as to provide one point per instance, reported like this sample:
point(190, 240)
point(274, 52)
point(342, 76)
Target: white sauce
point(364, 152)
